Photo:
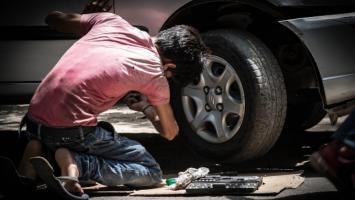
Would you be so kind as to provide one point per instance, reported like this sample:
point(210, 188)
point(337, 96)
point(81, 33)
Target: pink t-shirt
point(111, 59)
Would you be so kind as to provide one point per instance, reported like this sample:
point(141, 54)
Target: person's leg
point(336, 160)
point(33, 148)
point(116, 160)
point(346, 132)
point(68, 167)
point(106, 143)
point(111, 159)
point(114, 172)
point(345, 138)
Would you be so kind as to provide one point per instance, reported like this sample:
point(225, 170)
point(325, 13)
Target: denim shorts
point(108, 158)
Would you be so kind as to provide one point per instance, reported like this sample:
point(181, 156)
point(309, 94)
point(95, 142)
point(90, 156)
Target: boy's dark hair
point(184, 46)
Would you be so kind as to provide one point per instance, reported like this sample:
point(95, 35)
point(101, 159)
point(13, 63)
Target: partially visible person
point(336, 160)
point(110, 60)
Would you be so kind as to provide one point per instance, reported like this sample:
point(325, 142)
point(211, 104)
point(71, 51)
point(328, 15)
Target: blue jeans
point(109, 158)
point(346, 132)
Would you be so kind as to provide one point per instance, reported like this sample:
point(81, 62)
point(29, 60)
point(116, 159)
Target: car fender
point(330, 40)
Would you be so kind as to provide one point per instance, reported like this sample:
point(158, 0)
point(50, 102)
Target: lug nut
point(218, 90)
point(220, 107)
point(208, 108)
point(206, 89)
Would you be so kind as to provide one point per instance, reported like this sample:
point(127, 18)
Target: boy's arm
point(163, 119)
point(70, 22)
point(64, 22)
point(161, 116)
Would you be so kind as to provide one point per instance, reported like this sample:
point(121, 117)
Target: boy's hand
point(98, 6)
point(136, 101)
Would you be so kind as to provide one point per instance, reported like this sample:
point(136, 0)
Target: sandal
point(45, 172)
point(12, 179)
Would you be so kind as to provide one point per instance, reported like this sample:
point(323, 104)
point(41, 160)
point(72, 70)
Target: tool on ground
point(217, 184)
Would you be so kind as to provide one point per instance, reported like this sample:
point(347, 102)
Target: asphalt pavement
point(289, 154)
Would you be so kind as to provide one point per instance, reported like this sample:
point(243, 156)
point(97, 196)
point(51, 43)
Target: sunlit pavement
point(123, 119)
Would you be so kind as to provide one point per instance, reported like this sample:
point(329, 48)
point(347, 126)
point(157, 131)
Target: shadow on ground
point(312, 196)
point(291, 152)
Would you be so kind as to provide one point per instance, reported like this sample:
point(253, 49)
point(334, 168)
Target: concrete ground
point(289, 154)
point(123, 119)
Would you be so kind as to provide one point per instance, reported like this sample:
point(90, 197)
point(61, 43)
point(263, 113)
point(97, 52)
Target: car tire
point(254, 100)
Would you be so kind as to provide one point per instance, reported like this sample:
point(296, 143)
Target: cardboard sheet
point(273, 183)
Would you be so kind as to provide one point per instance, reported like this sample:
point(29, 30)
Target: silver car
point(275, 64)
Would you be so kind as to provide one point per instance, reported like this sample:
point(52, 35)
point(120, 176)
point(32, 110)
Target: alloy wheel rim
point(214, 104)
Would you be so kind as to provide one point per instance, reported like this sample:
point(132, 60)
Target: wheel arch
point(261, 19)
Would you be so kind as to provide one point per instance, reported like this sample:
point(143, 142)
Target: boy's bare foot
point(73, 187)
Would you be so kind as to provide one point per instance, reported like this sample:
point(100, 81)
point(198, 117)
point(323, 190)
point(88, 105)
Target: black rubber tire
point(265, 98)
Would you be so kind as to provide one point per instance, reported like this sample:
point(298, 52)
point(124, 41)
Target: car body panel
point(22, 55)
point(28, 48)
point(308, 3)
point(33, 12)
point(151, 14)
point(29, 63)
point(330, 39)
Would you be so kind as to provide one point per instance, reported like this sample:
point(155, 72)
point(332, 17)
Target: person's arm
point(70, 22)
point(163, 119)
point(64, 22)
point(161, 116)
